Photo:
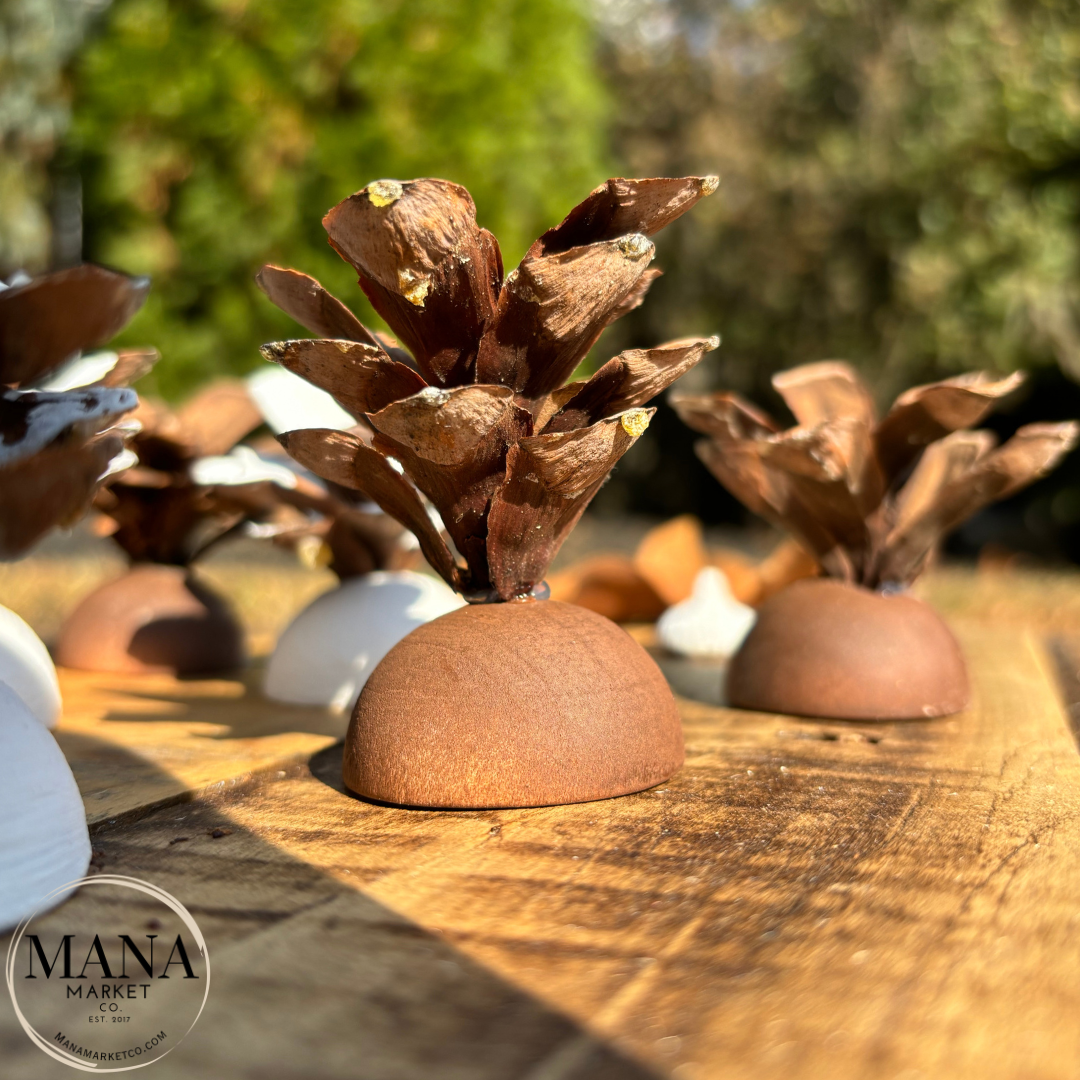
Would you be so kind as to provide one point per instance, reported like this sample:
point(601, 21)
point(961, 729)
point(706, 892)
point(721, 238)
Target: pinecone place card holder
point(512, 700)
point(870, 499)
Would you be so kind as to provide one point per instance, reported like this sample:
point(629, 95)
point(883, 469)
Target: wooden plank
point(804, 899)
point(136, 743)
point(793, 904)
point(313, 978)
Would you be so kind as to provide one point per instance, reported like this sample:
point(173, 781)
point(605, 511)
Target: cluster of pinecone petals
point(56, 445)
point(870, 498)
point(477, 419)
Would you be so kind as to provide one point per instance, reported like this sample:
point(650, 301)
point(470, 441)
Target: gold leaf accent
point(414, 287)
point(384, 192)
point(635, 246)
point(313, 552)
point(634, 421)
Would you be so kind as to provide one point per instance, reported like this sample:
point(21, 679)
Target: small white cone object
point(711, 622)
point(327, 652)
point(46, 843)
point(27, 668)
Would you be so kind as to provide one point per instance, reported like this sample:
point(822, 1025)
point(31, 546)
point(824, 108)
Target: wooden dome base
point(154, 618)
point(825, 649)
point(508, 705)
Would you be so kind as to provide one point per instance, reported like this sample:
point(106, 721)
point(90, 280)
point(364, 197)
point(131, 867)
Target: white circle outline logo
point(170, 901)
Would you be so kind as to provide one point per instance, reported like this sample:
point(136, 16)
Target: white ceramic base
point(327, 652)
point(46, 843)
point(25, 665)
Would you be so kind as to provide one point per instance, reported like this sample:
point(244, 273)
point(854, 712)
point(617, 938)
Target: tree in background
point(37, 37)
point(211, 135)
point(900, 188)
point(900, 181)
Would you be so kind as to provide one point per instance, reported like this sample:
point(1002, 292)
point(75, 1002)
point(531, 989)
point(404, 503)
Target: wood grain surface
point(805, 899)
point(136, 742)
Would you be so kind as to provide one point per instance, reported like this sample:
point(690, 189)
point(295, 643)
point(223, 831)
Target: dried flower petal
point(623, 206)
point(994, 474)
point(942, 463)
point(165, 510)
point(546, 406)
point(492, 261)
point(552, 310)
point(361, 378)
point(799, 479)
point(131, 365)
point(823, 481)
point(43, 322)
point(305, 300)
point(739, 468)
point(829, 390)
point(161, 443)
point(923, 414)
point(425, 266)
point(832, 392)
point(734, 452)
point(550, 481)
point(359, 543)
point(737, 462)
point(392, 349)
point(815, 462)
point(52, 487)
point(218, 417)
point(452, 445)
point(722, 415)
point(630, 379)
point(444, 426)
point(495, 353)
point(343, 459)
point(1032, 452)
point(173, 524)
point(326, 452)
point(635, 297)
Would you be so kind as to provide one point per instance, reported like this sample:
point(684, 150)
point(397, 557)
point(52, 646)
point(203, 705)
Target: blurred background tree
point(212, 135)
point(900, 188)
point(901, 182)
point(37, 38)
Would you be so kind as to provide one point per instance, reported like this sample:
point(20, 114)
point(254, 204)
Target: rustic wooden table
point(894, 901)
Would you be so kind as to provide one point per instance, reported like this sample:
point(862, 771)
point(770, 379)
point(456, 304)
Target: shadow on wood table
point(803, 900)
point(312, 978)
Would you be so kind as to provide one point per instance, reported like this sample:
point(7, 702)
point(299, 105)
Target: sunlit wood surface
point(803, 900)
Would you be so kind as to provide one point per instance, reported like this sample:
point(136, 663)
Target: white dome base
point(46, 843)
point(327, 652)
point(25, 665)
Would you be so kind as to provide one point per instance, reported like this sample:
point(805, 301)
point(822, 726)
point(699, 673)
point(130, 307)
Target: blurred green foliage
point(901, 181)
point(37, 38)
point(212, 135)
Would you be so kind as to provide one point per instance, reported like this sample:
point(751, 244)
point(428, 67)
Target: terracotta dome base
point(153, 619)
point(510, 705)
point(825, 649)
